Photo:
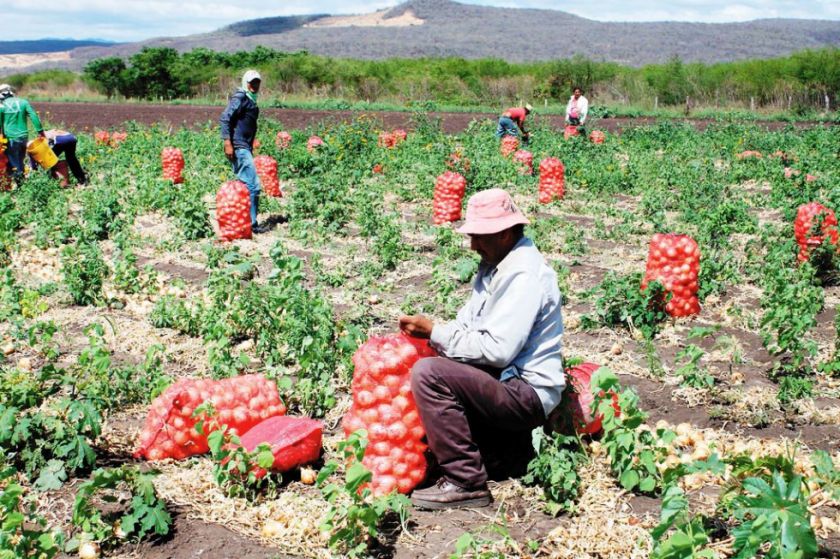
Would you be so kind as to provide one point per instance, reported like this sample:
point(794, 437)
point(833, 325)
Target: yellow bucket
point(40, 151)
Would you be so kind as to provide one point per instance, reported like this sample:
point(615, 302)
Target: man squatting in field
point(239, 129)
point(512, 123)
point(13, 114)
point(500, 373)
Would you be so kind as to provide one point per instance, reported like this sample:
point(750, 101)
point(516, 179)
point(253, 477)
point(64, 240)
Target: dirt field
point(92, 116)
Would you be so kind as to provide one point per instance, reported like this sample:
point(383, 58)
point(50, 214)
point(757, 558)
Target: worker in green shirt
point(13, 114)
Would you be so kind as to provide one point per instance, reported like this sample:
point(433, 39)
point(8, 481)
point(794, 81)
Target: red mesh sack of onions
point(384, 406)
point(233, 210)
point(313, 143)
point(102, 138)
point(509, 145)
point(118, 137)
point(283, 140)
point(597, 136)
point(267, 172)
point(674, 261)
point(386, 140)
point(172, 161)
point(448, 197)
point(570, 132)
point(525, 162)
point(806, 219)
point(5, 178)
point(239, 403)
point(552, 183)
point(399, 136)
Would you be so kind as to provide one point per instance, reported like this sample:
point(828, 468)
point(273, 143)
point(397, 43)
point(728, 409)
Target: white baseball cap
point(6, 90)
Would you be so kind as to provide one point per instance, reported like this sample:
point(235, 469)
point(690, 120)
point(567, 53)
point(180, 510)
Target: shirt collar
point(506, 261)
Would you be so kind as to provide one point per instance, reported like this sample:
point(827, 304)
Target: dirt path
point(91, 116)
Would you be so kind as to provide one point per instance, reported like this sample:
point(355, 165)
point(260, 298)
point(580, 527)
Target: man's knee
point(425, 373)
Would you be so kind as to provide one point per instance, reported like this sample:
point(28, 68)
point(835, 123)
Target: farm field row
point(112, 291)
point(89, 116)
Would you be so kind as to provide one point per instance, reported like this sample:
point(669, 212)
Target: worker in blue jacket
point(239, 129)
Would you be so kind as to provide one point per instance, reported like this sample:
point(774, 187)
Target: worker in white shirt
point(577, 108)
point(500, 370)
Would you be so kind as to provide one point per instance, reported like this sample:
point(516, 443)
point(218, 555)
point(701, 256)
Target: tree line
point(804, 80)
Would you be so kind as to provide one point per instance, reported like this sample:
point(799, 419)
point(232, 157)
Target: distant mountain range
point(425, 28)
point(49, 45)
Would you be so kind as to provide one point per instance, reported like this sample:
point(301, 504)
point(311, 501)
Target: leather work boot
point(446, 495)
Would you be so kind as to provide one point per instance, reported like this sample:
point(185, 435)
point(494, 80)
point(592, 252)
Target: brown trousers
point(476, 426)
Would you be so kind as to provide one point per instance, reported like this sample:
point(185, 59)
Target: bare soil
point(93, 116)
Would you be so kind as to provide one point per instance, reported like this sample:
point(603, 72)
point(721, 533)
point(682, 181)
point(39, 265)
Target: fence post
point(752, 103)
point(656, 103)
point(827, 102)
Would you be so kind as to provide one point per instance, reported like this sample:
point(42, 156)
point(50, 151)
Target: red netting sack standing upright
point(509, 145)
point(525, 162)
point(313, 143)
point(570, 132)
point(597, 136)
point(552, 182)
point(233, 210)
point(448, 197)
point(674, 261)
point(806, 219)
point(172, 160)
point(384, 406)
point(399, 136)
point(386, 140)
point(267, 172)
point(239, 403)
point(118, 137)
point(5, 176)
point(102, 138)
point(283, 140)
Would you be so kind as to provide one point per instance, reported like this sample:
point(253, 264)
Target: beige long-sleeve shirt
point(512, 321)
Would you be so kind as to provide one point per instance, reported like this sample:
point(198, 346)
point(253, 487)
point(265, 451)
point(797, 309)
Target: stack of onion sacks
point(384, 406)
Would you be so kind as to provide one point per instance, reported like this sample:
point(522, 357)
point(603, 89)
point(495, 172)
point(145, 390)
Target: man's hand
point(42, 134)
point(417, 326)
point(229, 150)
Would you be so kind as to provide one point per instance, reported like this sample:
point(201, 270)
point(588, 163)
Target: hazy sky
point(132, 20)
